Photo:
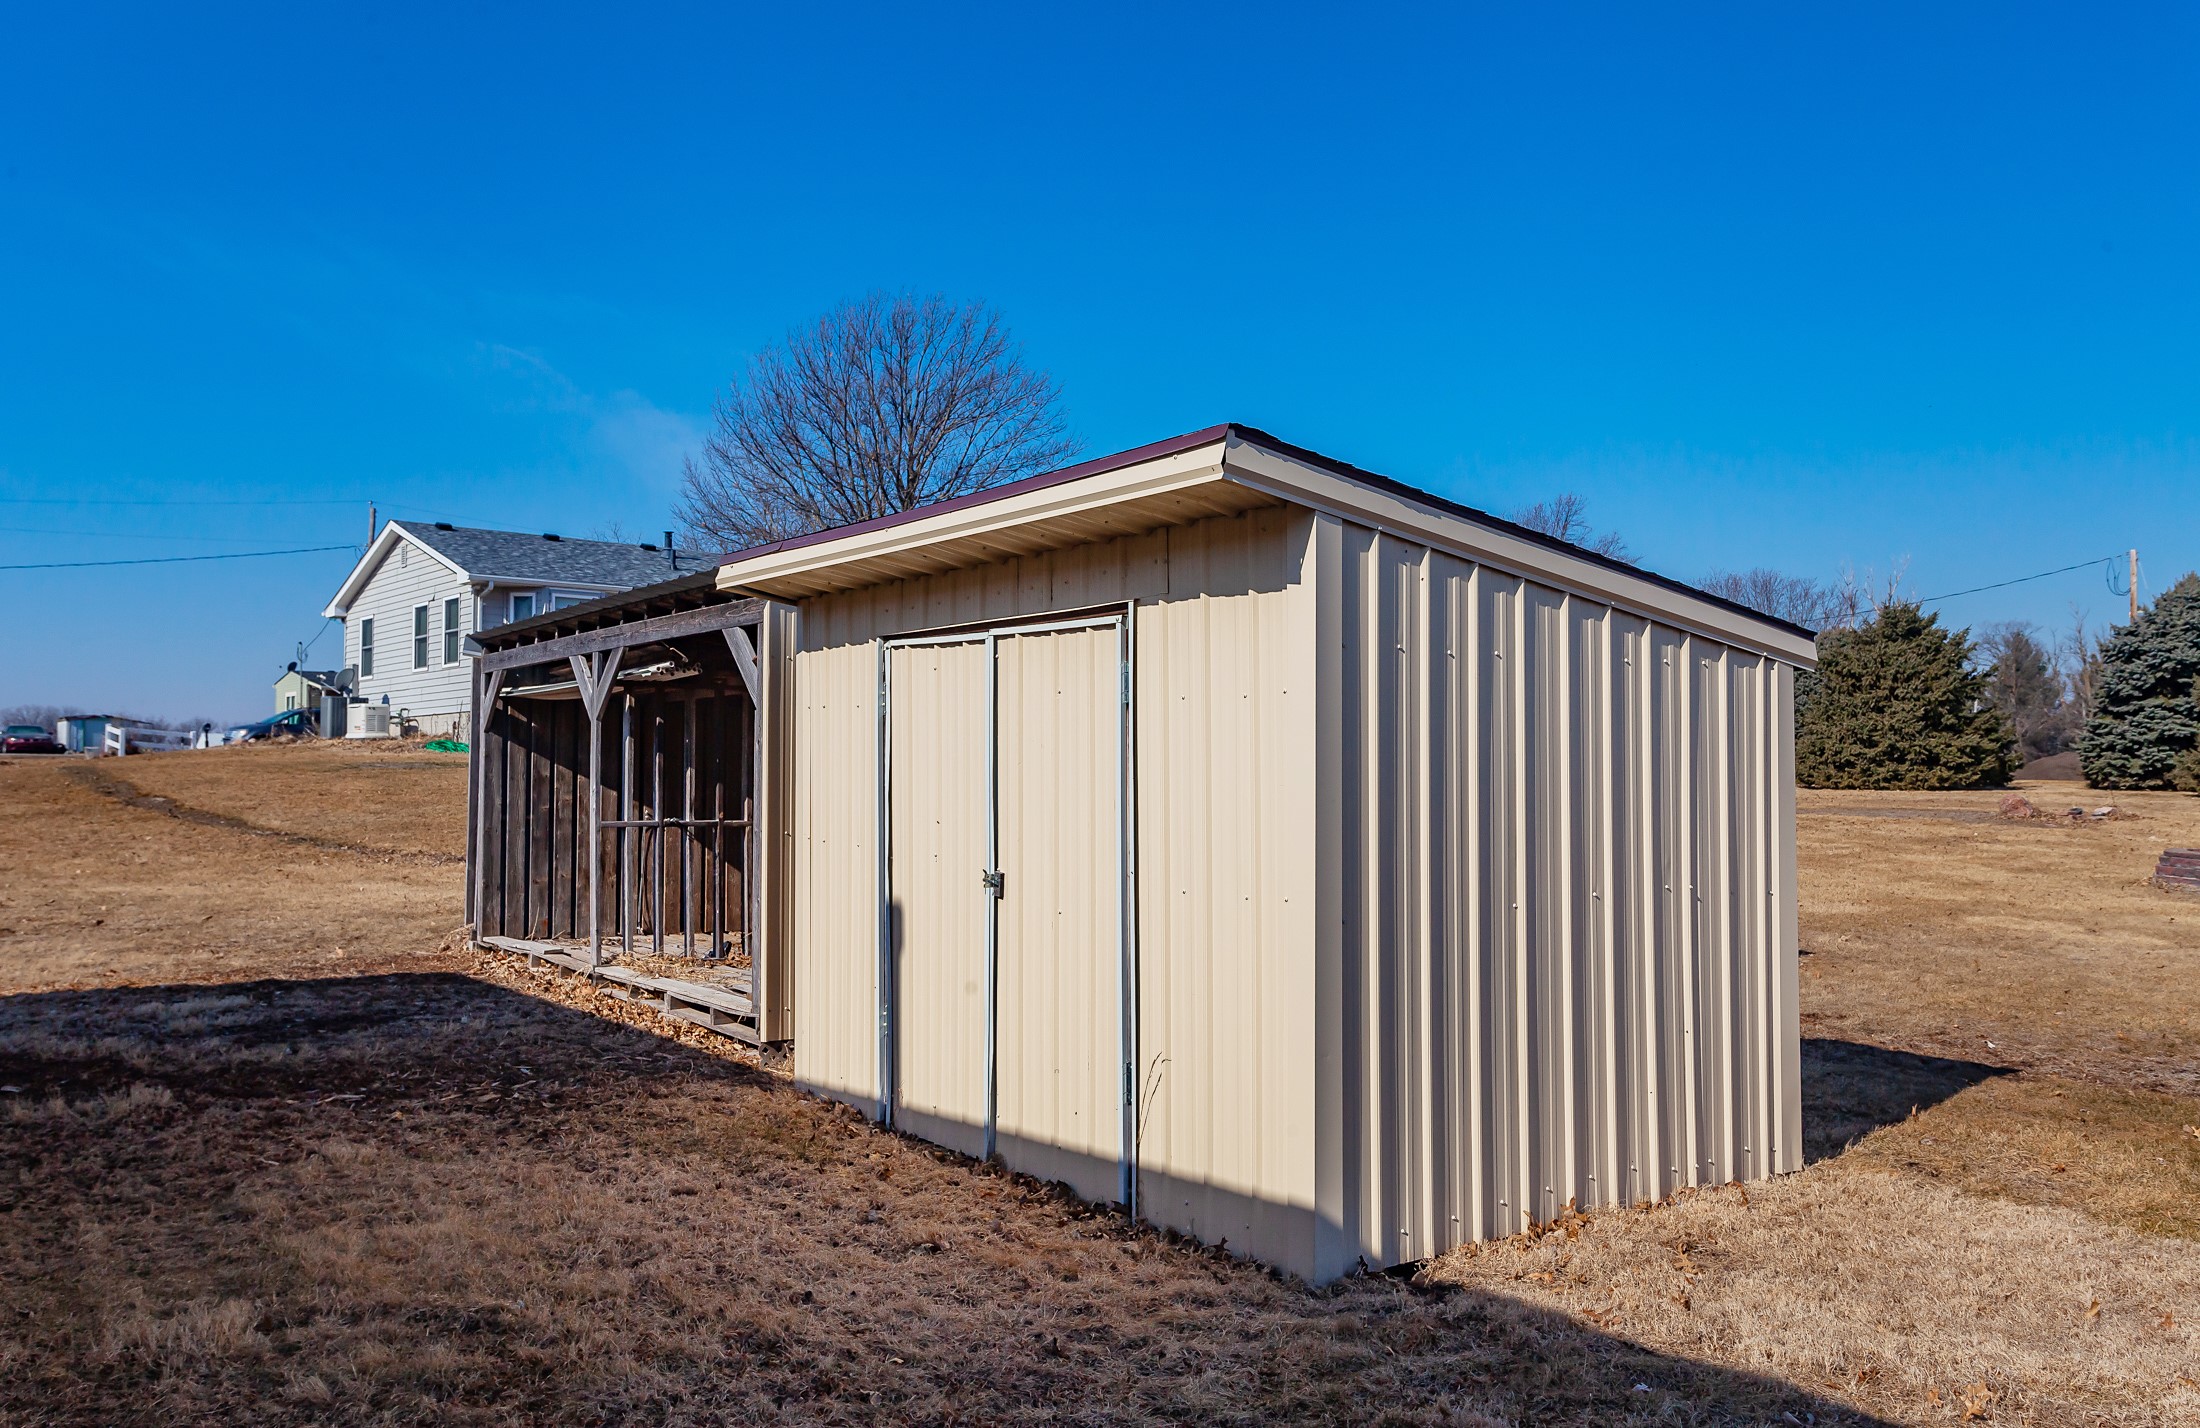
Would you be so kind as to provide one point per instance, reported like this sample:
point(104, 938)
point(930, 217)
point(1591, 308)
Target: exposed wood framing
point(594, 674)
point(699, 621)
point(726, 1010)
point(744, 659)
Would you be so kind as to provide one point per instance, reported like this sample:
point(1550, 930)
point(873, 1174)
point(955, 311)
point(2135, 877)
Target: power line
point(173, 559)
point(2065, 570)
point(181, 501)
point(133, 535)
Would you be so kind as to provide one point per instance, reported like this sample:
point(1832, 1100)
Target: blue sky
point(1897, 284)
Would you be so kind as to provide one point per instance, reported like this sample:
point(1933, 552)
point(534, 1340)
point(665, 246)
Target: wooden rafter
point(628, 633)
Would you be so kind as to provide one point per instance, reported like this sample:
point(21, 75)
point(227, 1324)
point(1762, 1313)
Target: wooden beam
point(698, 621)
point(487, 684)
point(744, 659)
point(594, 674)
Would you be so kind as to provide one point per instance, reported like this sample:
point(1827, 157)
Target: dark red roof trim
point(1039, 482)
point(1257, 437)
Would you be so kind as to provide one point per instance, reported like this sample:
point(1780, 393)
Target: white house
point(420, 590)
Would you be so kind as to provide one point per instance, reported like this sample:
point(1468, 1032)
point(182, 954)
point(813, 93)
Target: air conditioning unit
point(367, 721)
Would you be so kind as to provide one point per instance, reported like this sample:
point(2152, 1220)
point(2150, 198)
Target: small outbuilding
point(1308, 862)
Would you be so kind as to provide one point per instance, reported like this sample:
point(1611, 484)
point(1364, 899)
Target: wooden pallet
point(2179, 868)
point(726, 1010)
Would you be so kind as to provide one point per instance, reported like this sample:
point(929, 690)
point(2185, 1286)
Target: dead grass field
point(403, 1186)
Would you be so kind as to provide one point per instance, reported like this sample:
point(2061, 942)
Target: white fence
point(125, 739)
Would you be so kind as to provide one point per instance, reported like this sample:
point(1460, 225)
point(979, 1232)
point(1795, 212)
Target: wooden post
point(628, 900)
point(687, 831)
point(594, 673)
point(746, 659)
point(487, 688)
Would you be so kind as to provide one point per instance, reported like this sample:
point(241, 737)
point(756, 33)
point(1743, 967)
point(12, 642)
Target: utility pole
point(2135, 587)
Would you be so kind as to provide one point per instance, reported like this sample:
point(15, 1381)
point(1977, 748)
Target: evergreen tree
point(1896, 704)
point(2146, 716)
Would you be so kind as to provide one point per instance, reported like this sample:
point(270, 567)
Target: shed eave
point(1225, 470)
point(1171, 489)
point(1301, 482)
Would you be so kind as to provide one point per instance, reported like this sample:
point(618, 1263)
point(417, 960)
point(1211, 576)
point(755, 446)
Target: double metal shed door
point(1008, 964)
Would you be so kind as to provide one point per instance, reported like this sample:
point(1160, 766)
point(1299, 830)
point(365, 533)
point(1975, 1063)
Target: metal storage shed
point(1317, 865)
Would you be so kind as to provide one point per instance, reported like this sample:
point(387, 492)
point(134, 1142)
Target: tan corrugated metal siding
point(936, 742)
point(837, 753)
point(1459, 897)
point(1563, 932)
point(1224, 850)
point(777, 640)
point(1060, 1027)
point(1225, 696)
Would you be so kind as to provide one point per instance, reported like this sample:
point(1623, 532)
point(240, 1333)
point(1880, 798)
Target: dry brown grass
point(372, 793)
point(1935, 926)
point(94, 892)
point(409, 1187)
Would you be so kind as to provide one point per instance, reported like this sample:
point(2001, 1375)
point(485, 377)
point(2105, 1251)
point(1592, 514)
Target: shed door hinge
point(994, 882)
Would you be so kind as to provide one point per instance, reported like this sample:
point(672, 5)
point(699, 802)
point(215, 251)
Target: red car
point(28, 739)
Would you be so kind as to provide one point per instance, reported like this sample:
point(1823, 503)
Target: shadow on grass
point(1851, 1089)
point(162, 1154)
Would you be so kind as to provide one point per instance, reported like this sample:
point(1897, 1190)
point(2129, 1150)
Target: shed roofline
point(1250, 460)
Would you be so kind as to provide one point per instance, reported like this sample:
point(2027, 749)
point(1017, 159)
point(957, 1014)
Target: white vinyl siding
point(390, 597)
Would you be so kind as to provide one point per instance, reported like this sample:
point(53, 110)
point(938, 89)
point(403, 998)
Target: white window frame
point(564, 599)
point(511, 607)
point(450, 630)
point(420, 637)
point(366, 647)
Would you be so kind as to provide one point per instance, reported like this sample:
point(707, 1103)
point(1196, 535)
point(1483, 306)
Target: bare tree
point(1795, 598)
point(2024, 683)
point(40, 714)
point(1566, 517)
point(2079, 654)
point(884, 404)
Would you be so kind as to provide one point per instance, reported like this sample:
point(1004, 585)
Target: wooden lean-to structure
point(615, 800)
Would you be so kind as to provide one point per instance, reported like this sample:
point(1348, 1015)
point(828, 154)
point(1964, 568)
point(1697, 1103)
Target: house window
point(523, 607)
point(566, 599)
point(290, 702)
point(450, 631)
point(366, 647)
point(420, 637)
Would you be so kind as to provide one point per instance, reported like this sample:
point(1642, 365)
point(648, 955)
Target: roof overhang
point(377, 550)
point(1226, 470)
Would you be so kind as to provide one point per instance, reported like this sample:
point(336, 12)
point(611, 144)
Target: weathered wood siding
point(691, 758)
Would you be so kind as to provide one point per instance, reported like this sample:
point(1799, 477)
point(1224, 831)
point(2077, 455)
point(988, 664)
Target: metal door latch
point(994, 882)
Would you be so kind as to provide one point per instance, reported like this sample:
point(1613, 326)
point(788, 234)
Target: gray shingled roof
point(514, 555)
